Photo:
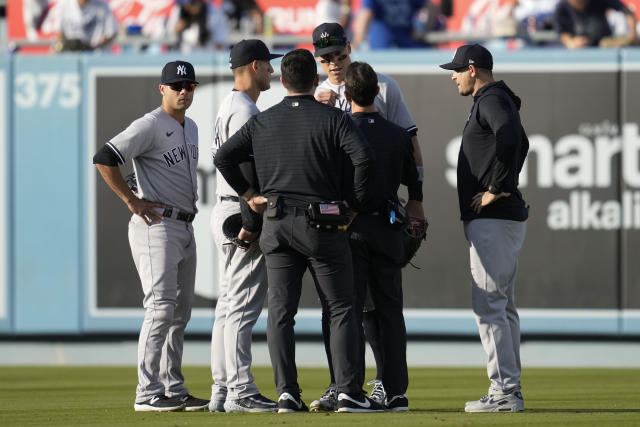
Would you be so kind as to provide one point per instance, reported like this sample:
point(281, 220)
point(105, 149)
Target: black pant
point(290, 247)
point(377, 252)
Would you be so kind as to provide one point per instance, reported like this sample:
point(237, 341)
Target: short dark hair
point(299, 70)
point(361, 83)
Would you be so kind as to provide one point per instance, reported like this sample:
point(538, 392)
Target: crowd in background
point(207, 25)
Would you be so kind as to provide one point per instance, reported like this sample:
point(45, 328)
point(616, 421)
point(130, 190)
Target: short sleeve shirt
point(236, 109)
point(165, 158)
point(91, 23)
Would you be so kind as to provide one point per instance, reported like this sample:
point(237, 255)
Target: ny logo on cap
point(324, 35)
point(182, 70)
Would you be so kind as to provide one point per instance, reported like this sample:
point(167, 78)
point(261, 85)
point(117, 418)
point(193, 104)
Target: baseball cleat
point(193, 404)
point(290, 403)
point(253, 403)
point(378, 393)
point(512, 402)
point(160, 403)
point(328, 401)
point(397, 403)
point(216, 405)
point(357, 402)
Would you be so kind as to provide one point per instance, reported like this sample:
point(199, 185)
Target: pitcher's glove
point(230, 228)
point(413, 235)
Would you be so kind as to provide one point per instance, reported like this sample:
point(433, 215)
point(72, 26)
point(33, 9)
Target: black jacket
point(300, 147)
point(494, 146)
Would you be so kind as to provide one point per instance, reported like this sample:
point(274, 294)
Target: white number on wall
point(44, 89)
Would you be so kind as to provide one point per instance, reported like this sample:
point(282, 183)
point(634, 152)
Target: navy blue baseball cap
point(328, 37)
point(246, 51)
point(470, 54)
point(178, 71)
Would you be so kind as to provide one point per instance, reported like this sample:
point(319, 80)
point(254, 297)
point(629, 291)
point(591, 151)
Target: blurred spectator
point(491, 18)
point(199, 25)
point(245, 16)
point(387, 23)
point(583, 23)
point(84, 25)
point(334, 11)
point(535, 16)
point(33, 12)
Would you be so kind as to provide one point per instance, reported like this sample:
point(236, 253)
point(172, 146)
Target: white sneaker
point(512, 402)
point(378, 394)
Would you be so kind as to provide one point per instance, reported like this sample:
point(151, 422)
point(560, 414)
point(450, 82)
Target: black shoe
point(160, 403)
point(397, 403)
point(193, 404)
point(253, 403)
point(290, 403)
point(357, 402)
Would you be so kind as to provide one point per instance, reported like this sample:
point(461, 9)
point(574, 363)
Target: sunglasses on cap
point(190, 87)
point(334, 59)
point(330, 41)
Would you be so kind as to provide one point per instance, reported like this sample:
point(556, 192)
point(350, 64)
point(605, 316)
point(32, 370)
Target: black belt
point(294, 210)
point(174, 213)
point(229, 199)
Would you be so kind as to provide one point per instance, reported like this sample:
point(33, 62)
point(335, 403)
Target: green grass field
point(103, 396)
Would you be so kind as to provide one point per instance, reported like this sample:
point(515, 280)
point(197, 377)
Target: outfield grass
point(103, 396)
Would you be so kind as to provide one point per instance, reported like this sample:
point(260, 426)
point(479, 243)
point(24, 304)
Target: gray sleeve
point(134, 140)
point(397, 111)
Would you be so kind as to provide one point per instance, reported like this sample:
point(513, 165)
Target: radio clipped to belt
point(331, 216)
point(395, 214)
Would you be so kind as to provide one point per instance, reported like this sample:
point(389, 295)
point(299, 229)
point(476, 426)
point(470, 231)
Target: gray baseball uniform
point(242, 278)
point(389, 102)
point(165, 156)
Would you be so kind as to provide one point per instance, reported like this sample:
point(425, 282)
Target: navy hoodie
point(494, 146)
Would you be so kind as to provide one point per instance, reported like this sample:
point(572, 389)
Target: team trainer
point(301, 148)
point(494, 146)
point(163, 146)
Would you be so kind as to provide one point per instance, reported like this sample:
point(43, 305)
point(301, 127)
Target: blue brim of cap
point(324, 50)
point(452, 65)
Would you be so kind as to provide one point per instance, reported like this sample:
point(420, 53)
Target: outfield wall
point(65, 263)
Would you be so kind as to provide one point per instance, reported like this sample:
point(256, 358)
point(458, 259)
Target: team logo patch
point(324, 35)
point(182, 70)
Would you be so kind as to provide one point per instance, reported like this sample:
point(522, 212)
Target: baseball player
point(333, 50)
point(494, 214)
point(163, 146)
point(243, 275)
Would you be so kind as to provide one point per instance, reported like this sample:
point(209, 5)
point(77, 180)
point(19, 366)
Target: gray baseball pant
point(165, 257)
point(494, 245)
point(242, 284)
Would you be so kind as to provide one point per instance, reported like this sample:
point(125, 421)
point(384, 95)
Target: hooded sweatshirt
point(494, 146)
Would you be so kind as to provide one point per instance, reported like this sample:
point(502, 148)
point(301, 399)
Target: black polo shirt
point(300, 147)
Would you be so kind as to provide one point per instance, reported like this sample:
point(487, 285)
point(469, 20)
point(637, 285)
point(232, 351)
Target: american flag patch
point(329, 209)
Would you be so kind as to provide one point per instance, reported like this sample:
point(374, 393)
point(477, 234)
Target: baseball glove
point(231, 227)
point(412, 237)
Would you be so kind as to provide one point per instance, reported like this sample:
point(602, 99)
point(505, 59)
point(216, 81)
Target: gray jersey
point(389, 102)
point(165, 157)
point(236, 109)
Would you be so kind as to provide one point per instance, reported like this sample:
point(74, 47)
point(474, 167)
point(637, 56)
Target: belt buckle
point(168, 212)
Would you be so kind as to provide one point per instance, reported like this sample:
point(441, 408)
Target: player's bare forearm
point(417, 152)
point(143, 208)
point(415, 209)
